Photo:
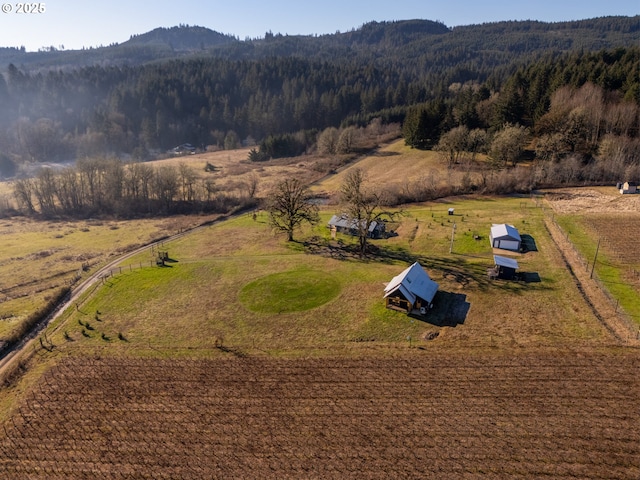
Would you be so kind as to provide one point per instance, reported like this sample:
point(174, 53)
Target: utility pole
point(453, 230)
point(594, 259)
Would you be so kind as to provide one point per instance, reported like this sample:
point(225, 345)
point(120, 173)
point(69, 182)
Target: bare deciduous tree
point(328, 141)
point(508, 144)
point(188, 178)
point(347, 140)
point(361, 205)
point(453, 144)
point(23, 193)
point(252, 185)
point(289, 207)
point(166, 185)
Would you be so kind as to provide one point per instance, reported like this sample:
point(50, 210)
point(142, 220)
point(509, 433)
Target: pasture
point(246, 355)
point(38, 258)
point(238, 285)
point(398, 168)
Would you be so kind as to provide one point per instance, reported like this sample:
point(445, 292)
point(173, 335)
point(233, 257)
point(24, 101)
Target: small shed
point(505, 237)
point(504, 268)
point(412, 291)
point(629, 187)
point(184, 149)
point(344, 224)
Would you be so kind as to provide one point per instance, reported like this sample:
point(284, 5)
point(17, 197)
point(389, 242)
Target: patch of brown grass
point(592, 200)
point(40, 256)
point(233, 170)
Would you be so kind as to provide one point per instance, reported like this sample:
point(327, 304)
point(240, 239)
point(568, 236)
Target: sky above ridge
point(74, 24)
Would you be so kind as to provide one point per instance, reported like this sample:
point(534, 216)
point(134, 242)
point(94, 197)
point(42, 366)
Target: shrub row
point(27, 325)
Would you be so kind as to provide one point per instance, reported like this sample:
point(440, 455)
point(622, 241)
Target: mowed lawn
point(238, 287)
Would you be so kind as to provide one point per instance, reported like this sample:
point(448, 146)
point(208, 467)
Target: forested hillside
point(215, 91)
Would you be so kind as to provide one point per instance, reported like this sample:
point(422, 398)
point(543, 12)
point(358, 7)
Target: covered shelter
point(344, 224)
point(412, 291)
point(629, 187)
point(505, 237)
point(504, 268)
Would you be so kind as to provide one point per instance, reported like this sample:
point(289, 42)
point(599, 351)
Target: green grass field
point(614, 251)
point(238, 285)
point(39, 257)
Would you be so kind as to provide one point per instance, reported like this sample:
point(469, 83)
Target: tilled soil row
point(529, 414)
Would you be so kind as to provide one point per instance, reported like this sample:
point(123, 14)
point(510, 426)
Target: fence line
point(115, 271)
point(624, 317)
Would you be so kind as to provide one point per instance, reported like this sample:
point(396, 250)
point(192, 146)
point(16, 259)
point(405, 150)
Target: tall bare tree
point(361, 205)
point(289, 206)
point(188, 177)
point(23, 192)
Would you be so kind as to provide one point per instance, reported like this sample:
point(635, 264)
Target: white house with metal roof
point(505, 237)
point(411, 290)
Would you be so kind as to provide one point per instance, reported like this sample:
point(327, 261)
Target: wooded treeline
point(236, 91)
point(576, 104)
point(110, 187)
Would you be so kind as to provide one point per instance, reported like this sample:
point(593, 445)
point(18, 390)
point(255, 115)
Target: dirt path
point(590, 290)
point(6, 361)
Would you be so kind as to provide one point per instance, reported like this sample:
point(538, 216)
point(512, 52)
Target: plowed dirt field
point(538, 414)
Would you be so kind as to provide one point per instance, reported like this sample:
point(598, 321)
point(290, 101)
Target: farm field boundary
point(603, 305)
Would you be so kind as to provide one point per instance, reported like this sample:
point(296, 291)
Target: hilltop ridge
point(402, 38)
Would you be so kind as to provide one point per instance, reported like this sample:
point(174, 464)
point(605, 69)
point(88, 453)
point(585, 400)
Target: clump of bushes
point(24, 327)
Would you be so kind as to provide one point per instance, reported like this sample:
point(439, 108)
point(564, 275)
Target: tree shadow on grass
point(456, 268)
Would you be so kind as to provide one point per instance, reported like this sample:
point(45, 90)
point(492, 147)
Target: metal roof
point(503, 230)
point(346, 222)
point(505, 262)
point(413, 282)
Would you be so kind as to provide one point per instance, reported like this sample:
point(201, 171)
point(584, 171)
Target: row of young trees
point(111, 187)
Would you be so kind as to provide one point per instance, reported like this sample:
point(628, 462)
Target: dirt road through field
point(6, 361)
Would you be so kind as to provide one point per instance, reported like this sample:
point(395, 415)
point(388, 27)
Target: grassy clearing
point(238, 285)
point(232, 169)
point(397, 167)
point(292, 291)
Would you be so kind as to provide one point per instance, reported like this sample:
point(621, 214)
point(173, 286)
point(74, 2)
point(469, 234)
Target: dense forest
point(558, 90)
